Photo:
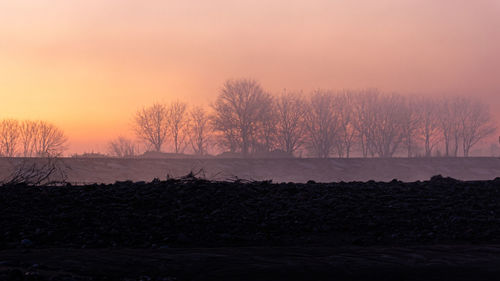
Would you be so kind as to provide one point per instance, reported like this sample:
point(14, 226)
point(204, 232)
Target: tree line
point(246, 120)
point(29, 138)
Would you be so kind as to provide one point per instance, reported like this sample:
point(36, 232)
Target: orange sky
point(87, 65)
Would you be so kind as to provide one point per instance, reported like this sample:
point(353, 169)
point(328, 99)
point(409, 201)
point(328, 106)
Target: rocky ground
point(193, 229)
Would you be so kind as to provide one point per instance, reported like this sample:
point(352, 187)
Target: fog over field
point(79, 171)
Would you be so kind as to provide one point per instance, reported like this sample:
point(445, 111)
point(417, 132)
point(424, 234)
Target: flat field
point(109, 170)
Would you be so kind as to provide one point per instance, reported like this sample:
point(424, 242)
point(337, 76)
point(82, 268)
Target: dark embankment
point(188, 228)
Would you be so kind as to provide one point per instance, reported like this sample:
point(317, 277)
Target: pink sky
point(87, 65)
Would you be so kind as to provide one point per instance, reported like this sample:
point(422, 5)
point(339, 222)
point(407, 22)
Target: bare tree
point(122, 147)
point(177, 121)
point(475, 123)
point(151, 125)
point(411, 122)
point(264, 138)
point(449, 123)
point(364, 112)
point(290, 109)
point(9, 137)
point(239, 107)
point(456, 132)
point(386, 134)
point(347, 133)
point(41, 139)
point(199, 130)
point(430, 129)
point(28, 133)
point(49, 140)
point(223, 123)
point(321, 123)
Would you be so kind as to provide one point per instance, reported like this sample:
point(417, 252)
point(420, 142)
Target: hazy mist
point(87, 66)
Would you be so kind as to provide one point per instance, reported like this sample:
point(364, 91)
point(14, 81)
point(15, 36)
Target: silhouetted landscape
point(249, 140)
point(194, 229)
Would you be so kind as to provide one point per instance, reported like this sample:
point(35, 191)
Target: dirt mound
point(199, 213)
point(192, 229)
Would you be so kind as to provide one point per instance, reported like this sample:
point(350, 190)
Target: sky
point(88, 65)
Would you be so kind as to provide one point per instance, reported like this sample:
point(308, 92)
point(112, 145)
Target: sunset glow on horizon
point(87, 66)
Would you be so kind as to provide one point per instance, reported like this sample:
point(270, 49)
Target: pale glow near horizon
point(88, 65)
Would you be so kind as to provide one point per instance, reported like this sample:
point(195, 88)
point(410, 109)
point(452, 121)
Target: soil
point(194, 229)
point(109, 170)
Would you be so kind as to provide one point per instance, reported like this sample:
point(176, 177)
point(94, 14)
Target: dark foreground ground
point(191, 229)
